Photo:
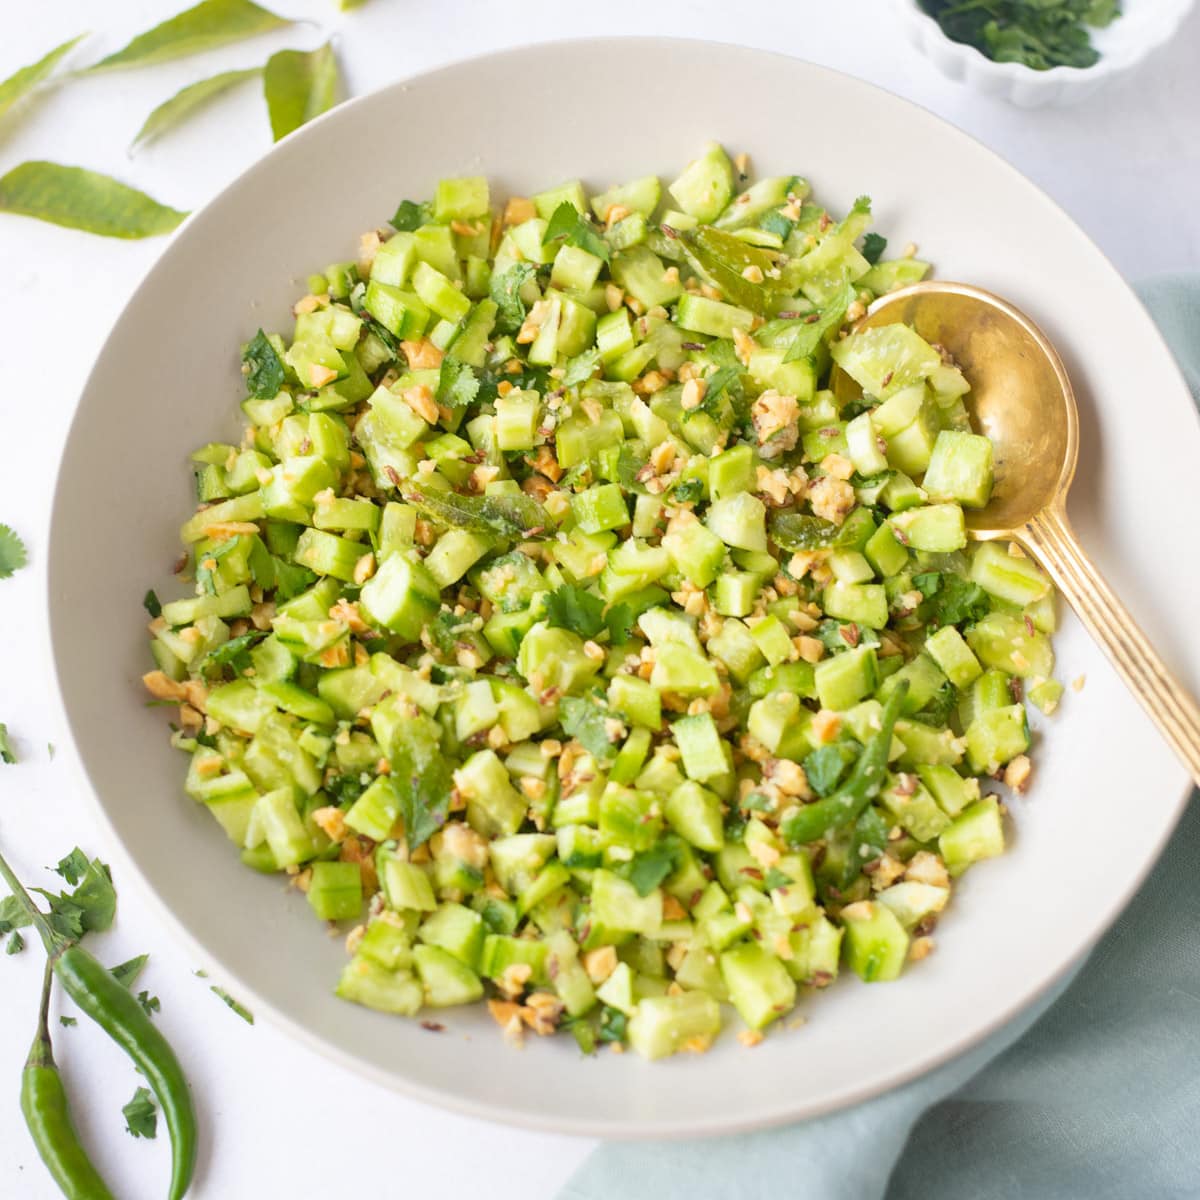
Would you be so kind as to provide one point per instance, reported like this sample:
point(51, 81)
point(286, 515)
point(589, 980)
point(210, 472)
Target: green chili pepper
point(89, 983)
point(865, 782)
point(48, 1115)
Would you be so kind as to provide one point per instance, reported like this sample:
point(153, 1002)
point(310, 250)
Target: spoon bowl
point(1021, 398)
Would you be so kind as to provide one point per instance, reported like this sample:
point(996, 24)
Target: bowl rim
point(456, 1101)
point(1110, 64)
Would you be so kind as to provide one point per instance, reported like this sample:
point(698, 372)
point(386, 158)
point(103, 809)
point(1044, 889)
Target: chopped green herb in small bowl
point(1036, 52)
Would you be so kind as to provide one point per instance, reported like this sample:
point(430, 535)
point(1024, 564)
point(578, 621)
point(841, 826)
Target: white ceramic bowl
point(1107, 792)
point(1144, 27)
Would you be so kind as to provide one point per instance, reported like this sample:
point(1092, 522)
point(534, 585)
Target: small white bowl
point(1143, 27)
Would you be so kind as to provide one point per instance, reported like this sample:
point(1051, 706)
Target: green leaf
point(188, 100)
point(207, 25)
point(67, 1022)
point(409, 216)
point(239, 1008)
point(775, 878)
point(152, 604)
point(262, 367)
point(423, 783)
point(648, 869)
point(126, 973)
point(826, 766)
point(723, 383)
point(727, 259)
point(234, 653)
point(586, 719)
point(568, 224)
point(21, 83)
point(778, 224)
point(89, 908)
point(15, 943)
point(505, 290)
point(150, 1004)
point(620, 620)
point(874, 244)
point(613, 1024)
point(570, 607)
point(12, 552)
point(510, 516)
point(299, 85)
point(141, 1114)
point(815, 329)
point(73, 867)
point(949, 599)
point(13, 915)
point(7, 753)
point(458, 384)
point(290, 579)
point(581, 368)
point(80, 199)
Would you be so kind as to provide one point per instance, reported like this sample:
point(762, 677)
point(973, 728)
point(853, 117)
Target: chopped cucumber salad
point(555, 630)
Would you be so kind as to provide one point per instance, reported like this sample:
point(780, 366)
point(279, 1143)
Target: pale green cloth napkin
point(1093, 1094)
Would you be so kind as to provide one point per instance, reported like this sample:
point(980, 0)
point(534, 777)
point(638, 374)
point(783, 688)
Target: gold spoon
point(1021, 398)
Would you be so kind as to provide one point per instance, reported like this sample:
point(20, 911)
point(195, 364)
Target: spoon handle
point(1050, 538)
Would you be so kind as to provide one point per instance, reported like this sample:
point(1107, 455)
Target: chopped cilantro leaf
point(151, 604)
point(827, 765)
point(409, 216)
point(458, 384)
point(12, 915)
point(874, 244)
point(90, 907)
point(290, 579)
point(141, 1114)
point(613, 1023)
point(648, 869)
point(778, 224)
point(234, 653)
point(7, 753)
point(949, 599)
point(67, 1022)
point(568, 224)
point(15, 943)
point(620, 620)
point(506, 293)
point(775, 878)
point(581, 368)
point(73, 867)
point(263, 368)
point(810, 335)
point(570, 607)
point(150, 1004)
point(723, 383)
point(689, 491)
point(585, 718)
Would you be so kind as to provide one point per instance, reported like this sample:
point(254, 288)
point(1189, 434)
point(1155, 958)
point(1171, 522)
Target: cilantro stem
point(54, 942)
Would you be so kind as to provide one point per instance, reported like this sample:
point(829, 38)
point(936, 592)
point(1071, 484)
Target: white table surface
point(278, 1120)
